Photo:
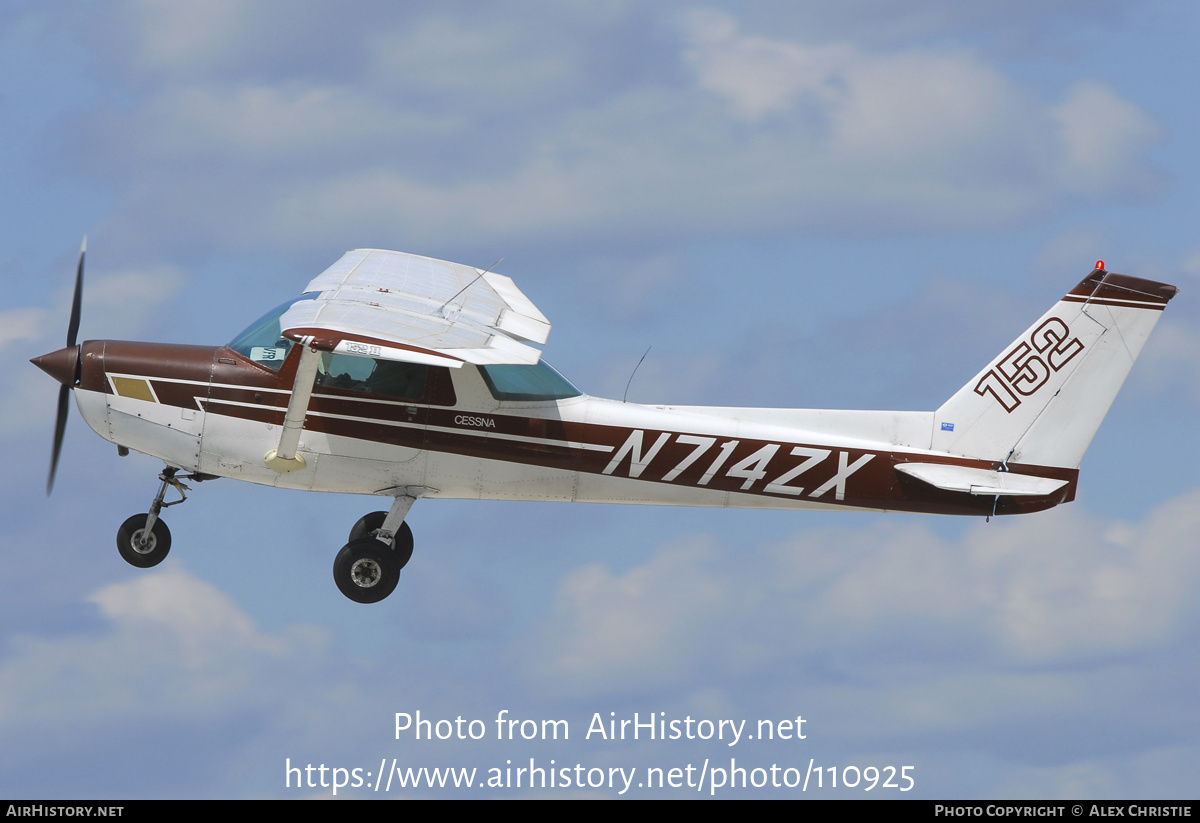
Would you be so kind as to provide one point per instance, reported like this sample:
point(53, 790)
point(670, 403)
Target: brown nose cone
point(61, 364)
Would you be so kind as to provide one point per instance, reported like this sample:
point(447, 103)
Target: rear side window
point(520, 382)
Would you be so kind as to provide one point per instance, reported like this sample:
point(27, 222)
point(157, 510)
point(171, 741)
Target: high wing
point(397, 306)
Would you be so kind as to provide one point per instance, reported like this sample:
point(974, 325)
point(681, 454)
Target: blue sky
point(793, 204)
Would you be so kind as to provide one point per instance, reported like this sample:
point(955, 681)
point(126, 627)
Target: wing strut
point(284, 458)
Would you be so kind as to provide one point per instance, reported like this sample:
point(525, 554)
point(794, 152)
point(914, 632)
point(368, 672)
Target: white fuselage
point(701, 456)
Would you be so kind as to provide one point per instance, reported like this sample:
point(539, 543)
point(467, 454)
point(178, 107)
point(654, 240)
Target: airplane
point(407, 377)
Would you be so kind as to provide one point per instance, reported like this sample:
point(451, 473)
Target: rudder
point(1042, 399)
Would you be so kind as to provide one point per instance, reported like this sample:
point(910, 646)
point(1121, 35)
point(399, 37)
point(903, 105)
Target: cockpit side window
point(390, 378)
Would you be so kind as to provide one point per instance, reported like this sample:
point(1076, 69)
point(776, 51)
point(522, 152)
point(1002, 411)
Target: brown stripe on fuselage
point(232, 386)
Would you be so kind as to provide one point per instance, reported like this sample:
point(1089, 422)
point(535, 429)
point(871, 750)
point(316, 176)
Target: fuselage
point(214, 411)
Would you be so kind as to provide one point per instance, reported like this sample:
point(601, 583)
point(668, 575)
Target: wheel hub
point(143, 542)
point(365, 573)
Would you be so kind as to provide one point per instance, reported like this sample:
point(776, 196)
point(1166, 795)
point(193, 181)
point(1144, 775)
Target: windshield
point(519, 382)
point(262, 341)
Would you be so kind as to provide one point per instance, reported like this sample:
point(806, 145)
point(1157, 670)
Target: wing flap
point(981, 482)
point(521, 316)
point(404, 302)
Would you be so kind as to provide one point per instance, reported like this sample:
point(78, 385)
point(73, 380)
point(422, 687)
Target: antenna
point(472, 283)
point(635, 368)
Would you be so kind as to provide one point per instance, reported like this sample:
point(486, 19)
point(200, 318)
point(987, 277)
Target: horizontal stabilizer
point(980, 481)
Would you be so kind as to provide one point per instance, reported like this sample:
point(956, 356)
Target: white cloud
point(924, 118)
point(173, 37)
point(27, 403)
point(1103, 136)
point(122, 303)
point(500, 63)
point(1171, 359)
point(1155, 772)
point(637, 628)
point(757, 75)
point(1048, 591)
point(22, 324)
point(272, 125)
point(761, 133)
point(171, 646)
point(1191, 264)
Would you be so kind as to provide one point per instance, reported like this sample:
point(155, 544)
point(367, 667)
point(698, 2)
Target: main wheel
point(366, 570)
point(402, 544)
point(369, 525)
point(139, 548)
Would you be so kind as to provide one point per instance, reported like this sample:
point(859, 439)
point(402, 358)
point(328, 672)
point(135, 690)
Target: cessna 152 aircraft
point(407, 377)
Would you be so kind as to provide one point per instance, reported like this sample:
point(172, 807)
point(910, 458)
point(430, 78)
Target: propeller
point(64, 365)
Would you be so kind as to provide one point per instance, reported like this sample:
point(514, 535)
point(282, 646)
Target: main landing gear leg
point(367, 568)
point(144, 540)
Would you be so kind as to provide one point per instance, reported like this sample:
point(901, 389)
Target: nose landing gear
point(144, 540)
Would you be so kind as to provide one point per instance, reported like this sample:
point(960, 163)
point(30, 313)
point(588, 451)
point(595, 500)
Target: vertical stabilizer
point(1042, 399)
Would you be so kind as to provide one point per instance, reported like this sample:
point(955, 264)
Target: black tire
point(365, 570)
point(156, 548)
point(369, 525)
point(402, 545)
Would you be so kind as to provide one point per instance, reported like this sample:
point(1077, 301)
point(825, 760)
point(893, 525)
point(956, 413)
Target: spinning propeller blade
point(64, 393)
point(77, 300)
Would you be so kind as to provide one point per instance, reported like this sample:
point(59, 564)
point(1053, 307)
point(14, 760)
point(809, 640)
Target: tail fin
point(1041, 401)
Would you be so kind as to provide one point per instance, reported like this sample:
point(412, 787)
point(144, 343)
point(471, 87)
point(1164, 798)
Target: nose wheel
point(144, 540)
point(141, 545)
